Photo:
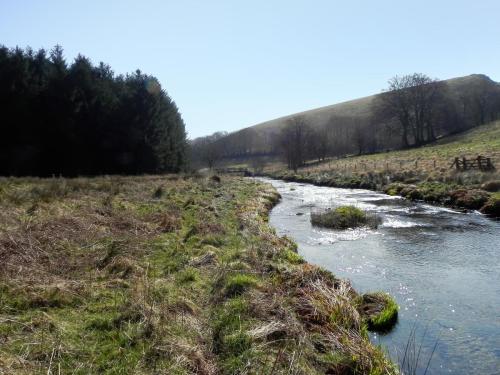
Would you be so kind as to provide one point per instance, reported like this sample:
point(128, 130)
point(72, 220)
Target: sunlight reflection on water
point(441, 265)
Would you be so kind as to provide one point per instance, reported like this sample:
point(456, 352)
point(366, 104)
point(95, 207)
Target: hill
point(353, 127)
point(316, 117)
point(362, 108)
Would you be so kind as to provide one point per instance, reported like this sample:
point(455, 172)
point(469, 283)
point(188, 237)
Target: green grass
point(293, 257)
point(237, 284)
point(386, 318)
point(102, 276)
point(432, 162)
point(344, 217)
point(380, 310)
point(188, 275)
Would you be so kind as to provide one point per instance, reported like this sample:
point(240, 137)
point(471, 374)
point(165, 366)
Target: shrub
point(394, 188)
point(344, 217)
point(471, 199)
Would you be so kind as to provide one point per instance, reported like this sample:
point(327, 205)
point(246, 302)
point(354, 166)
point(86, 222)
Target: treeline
point(296, 142)
point(82, 119)
point(412, 111)
point(418, 108)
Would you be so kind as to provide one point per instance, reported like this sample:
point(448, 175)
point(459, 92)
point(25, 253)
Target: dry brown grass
point(117, 275)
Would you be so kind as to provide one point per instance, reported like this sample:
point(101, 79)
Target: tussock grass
point(344, 217)
point(237, 284)
point(380, 311)
point(293, 257)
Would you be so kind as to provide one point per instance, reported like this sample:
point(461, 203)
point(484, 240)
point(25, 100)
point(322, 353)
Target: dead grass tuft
point(124, 267)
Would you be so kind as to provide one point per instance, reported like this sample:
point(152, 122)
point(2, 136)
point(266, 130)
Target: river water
point(441, 265)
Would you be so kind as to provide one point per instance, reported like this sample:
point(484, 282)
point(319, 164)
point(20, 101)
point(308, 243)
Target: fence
point(482, 163)
point(440, 164)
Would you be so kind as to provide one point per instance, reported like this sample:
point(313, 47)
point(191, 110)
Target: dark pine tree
point(81, 119)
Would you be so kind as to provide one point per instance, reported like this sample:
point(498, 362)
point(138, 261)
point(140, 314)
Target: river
point(441, 265)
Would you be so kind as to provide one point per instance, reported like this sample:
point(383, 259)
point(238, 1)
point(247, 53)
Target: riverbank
point(450, 193)
point(166, 275)
point(439, 264)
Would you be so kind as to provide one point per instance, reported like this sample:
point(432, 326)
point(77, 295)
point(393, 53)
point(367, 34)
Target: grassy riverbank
point(166, 275)
point(419, 174)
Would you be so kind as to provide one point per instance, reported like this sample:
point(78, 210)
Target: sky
point(233, 64)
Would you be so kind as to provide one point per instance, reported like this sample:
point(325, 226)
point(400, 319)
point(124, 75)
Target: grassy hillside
point(166, 275)
point(422, 173)
point(436, 157)
point(319, 116)
point(350, 127)
point(359, 108)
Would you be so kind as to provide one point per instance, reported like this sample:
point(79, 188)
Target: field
point(166, 275)
point(432, 159)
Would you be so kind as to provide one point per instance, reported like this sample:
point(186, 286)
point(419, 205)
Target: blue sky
point(232, 64)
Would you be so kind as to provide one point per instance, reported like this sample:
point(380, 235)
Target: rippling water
point(441, 265)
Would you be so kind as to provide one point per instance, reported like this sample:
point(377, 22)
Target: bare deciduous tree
point(318, 142)
point(208, 150)
point(360, 138)
point(412, 101)
point(258, 164)
point(481, 103)
point(293, 141)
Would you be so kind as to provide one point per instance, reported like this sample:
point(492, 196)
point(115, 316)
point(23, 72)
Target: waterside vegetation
point(380, 310)
point(344, 217)
point(166, 274)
